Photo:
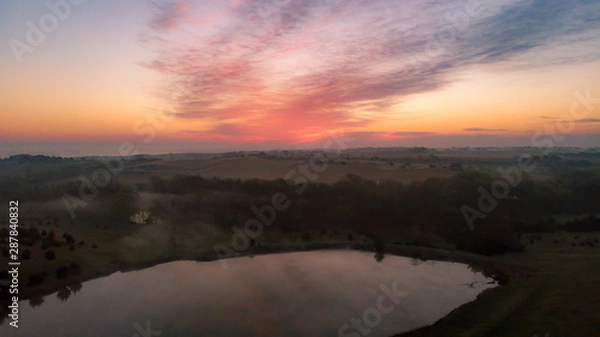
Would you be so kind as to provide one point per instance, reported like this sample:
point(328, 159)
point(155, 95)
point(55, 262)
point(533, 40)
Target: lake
point(319, 293)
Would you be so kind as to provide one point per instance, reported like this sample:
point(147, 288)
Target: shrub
point(36, 301)
point(421, 242)
point(36, 279)
point(75, 268)
point(305, 237)
point(27, 242)
point(62, 272)
point(490, 241)
point(50, 255)
point(68, 239)
point(588, 224)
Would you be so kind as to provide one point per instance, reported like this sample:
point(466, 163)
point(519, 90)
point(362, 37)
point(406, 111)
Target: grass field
point(269, 169)
point(552, 290)
point(372, 165)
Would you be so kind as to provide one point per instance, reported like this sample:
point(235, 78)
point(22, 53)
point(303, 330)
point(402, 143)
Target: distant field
point(270, 169)
point(373, 164)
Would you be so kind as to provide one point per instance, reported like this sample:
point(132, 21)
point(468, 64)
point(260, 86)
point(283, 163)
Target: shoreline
point(479, 263)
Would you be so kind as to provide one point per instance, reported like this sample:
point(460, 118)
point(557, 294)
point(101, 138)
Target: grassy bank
point(550, 287)
point(109, 265)
point(551, 290)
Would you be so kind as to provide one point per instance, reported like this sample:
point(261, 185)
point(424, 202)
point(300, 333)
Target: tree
point(68, 239)
point(36, 301)
point(75, 268)
point(50, 255)
point(62, 272)
point(123, 205)
point(75, 288)
point(63, 294)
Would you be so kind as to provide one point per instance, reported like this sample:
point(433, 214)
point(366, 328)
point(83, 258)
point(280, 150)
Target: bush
point(26, 255)
point(27, 242)
point(490, 241)
point(50, 255)
point(62, 272)
point(75, 268)
point(36, 301)
point(305, 237)
point(588, 224)
point(421, 242)
point(36, 279)
point(68, 239)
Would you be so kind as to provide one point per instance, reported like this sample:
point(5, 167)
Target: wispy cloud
point(167, 15)
point(291, 68)
point(584, 120)
point(483, 130)
point(413, 134)
point(588, 120)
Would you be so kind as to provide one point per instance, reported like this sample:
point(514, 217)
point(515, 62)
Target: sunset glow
point(250, 74)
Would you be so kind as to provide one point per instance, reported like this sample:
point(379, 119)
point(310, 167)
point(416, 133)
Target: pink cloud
point(168, 16)
point(284, 69)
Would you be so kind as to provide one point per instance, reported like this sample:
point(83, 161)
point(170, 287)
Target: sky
point(83, 77)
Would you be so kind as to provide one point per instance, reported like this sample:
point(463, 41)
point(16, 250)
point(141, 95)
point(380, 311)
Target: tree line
point(376, 208)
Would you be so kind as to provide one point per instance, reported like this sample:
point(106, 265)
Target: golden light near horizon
point(510, 102)
point(274, 83)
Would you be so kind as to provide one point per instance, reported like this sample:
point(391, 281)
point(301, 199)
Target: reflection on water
point(63, 294)
point(293, 294)
point(36, 301)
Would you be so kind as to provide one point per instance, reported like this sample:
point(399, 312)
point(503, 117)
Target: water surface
point(292, 294)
